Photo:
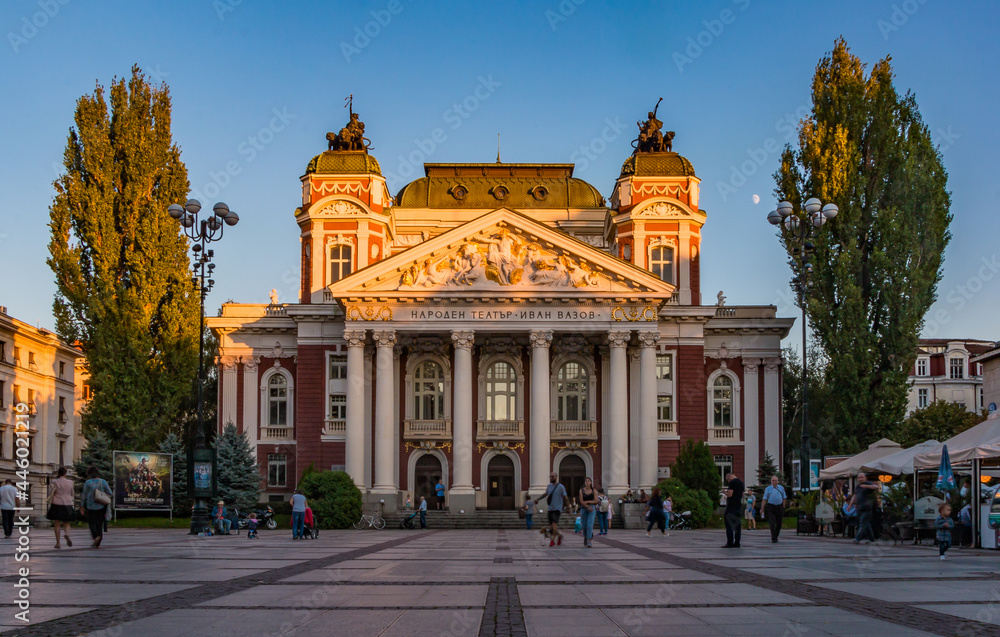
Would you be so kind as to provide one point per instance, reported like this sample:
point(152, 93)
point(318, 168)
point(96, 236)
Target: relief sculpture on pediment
point(499, 257)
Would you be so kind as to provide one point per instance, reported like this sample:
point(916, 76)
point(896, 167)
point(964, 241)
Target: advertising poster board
point(143, 480)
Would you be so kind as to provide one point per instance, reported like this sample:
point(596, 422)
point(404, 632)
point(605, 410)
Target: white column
point(385, 399)
point(228, 414)
point(634, 449)
point(461, 495)
point(619, 460)
point(751, 421)
point(684, 261)
point(251, 394)
point(772, 408)
point(541, 413)
point(396, 353)
point(649, 456)
point(354, 439)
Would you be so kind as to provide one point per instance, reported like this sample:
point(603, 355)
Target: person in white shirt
point(8, 500)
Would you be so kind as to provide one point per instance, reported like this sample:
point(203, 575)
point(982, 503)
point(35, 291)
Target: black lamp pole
point(798, 228)
point(201, 232)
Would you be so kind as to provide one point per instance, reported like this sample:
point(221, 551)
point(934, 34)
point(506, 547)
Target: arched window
point(722, 402)
point(428, 392)
point(571, 392)
point(277, 401)
point(501, 392)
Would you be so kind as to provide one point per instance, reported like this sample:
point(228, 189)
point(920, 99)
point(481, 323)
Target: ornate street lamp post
point(798, 228)
point(201, 460)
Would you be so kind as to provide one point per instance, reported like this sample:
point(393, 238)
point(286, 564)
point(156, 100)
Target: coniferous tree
point(124, 294)
point(239, 478)
point(179, 499)
point(98, 453)
point(865, 148)
point(695, 467)
point(766, 469)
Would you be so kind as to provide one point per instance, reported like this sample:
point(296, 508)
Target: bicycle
point(373, 522)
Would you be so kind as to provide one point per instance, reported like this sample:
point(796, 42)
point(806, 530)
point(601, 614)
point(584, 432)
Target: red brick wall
point(692, 417)
point(310, 408)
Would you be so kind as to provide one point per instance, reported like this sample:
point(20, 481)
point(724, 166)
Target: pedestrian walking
point(668, 510)
point(529, 512)
point(298, 515)
point(554, 496)
point(94, 503)
point(8, 501)
point(61, 511)
point(588, 510)
point(603, 511)
point(423, 512)
point(734, 499)
point(750, 512)
point(944, 524)
point(864, 502)
point(774, 507)
point(654, 512)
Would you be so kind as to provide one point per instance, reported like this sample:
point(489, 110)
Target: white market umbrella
point(901, 462)
point(854, 464)
point(978, 443)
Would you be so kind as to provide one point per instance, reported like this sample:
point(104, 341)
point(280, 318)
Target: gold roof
point(343, 163)
point(517, 186)
point(657, 165)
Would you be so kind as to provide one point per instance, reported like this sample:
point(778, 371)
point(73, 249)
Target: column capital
point(541, 338)
point(648, 338)
point(771, 365)
point(750, 365)
point(619, 338)
point(354, 338)
point(250, 363)
point(228, 363)
point(384, 338)
point(463, 339)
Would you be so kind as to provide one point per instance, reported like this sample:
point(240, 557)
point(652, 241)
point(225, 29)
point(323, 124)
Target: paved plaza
point(433, 583)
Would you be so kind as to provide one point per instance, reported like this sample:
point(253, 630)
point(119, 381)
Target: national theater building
point(493, 322)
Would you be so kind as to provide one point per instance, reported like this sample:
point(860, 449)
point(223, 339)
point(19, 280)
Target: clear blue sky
point(734, 76)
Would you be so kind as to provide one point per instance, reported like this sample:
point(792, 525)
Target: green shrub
point(696, 501)
point(695, 467)
point(332, 496)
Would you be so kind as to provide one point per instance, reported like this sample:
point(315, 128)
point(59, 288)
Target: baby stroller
point(407, 522)
point(679, 522)
point(311, 531)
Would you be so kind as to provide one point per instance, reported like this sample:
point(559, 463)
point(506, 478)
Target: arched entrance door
point(572, 471)
point(500, 483)
point(426, 474)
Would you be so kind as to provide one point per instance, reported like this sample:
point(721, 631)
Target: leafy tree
point(175, 446)
point(333, 497)
point(124, 294)
point(695, 467)
point(939, 421)
point(239, 478)
point(98, 453)
point(876, 266)
point(697, 501)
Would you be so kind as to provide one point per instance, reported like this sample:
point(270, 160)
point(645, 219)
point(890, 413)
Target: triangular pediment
point(502, 253)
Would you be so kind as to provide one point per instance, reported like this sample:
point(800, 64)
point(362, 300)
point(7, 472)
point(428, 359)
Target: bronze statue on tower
point(651, 138)
point(351, 137)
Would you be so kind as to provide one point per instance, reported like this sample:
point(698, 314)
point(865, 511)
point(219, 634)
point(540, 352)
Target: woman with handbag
point(61, 511)
point(94, 500)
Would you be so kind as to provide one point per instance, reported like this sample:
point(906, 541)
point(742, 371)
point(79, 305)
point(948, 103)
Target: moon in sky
point(756, 199)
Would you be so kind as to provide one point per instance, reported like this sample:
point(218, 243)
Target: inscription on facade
point(493, 314)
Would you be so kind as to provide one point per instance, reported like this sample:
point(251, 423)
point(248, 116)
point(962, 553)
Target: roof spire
point(498, 148)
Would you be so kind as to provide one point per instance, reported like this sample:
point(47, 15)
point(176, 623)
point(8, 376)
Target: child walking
point(944, 525)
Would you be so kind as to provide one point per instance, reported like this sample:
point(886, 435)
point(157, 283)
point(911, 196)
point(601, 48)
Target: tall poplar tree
point(865, 148)
point(124, 292)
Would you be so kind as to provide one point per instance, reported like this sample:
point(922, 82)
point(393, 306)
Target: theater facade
point(493, 322)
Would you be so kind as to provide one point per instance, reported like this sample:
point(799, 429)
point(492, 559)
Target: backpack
point(605, 504)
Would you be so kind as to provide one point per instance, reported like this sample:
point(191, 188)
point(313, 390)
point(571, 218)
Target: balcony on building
point(427, 429)
point(574, 430)
point(337, 428)
point(723, 434)
point(500, 430)
point(666, 429)
point(282, 432)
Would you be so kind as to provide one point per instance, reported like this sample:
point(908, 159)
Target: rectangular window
point(982, 400)
point(17, 355)
point(957, 368)
point(661, 263)
point(922, 400)
point(17, 395)
point(340, 262)
point(3, 385)
point(86, 391)
point(31, 402)
point(62, 369)
point(338, 407)
point(922, 367)
point(664, 366)
point(276, 469)
point(3, 351)
point(664, 408)
point(62, 409)
point(725, 465)
point(338, 367)
point(31, 361)
point(62, 453)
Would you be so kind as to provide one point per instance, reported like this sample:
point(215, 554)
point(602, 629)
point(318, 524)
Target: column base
point(459, 502)
point(372, 501)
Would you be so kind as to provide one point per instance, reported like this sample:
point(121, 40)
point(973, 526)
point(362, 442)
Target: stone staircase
point(480, 519)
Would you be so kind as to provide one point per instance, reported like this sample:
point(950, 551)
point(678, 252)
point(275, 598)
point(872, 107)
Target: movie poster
point(143, 480)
